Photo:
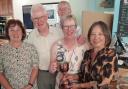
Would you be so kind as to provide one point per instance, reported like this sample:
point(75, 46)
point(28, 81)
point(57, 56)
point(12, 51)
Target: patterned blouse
point(17, 64)
point(103, 65)
point(73, 57)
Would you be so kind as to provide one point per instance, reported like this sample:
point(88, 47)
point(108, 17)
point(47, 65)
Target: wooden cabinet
point(6, 8)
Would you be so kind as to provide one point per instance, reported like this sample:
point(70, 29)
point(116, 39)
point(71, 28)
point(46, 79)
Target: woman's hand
point(81, 40)
point(75, 86)
point(71, 76)
point(84, 85)
point(93, 84)
point(27, 87)
point(106, 81)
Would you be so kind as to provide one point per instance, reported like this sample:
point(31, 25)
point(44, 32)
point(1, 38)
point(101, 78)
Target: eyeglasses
point(64, 9)
point(36, 19)
point(69, 26)
point(97, 34)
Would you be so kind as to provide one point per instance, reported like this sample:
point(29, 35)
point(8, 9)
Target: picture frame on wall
point(52, 14)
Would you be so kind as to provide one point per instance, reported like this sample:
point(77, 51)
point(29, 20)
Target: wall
point(91, 5)
point(77, 7)
point(87, 5)
point(116, 16)
point(17, 6)
point(94, 5)
point(102, 9)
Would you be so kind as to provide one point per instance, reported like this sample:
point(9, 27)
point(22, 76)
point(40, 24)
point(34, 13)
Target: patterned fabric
point(103, 65)
point(73, 57)
point(17, 64)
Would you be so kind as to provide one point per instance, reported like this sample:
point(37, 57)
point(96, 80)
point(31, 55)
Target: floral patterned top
point(73, 57)
point(17, 63)
point(103, 65)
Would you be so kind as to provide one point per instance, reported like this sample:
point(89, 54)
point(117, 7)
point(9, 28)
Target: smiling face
point(15, 33)
point(39, 17)
point(97, 38)
point(64, 9)
point(69, 28)
point(99, 35)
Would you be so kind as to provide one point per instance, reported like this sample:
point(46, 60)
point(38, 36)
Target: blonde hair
point(68, 17)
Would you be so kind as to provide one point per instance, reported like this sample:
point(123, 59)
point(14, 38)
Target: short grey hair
point(38, 7)
point(68, 17)
point(64, 2)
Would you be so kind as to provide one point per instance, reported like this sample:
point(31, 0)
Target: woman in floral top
point(18, 60)
point(67, 53)
point(99, 63)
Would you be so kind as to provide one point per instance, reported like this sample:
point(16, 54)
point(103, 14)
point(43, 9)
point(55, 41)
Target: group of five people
point(43, 55)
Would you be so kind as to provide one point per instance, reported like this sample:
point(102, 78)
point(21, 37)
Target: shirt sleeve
point(110, 64)
point(1, 61)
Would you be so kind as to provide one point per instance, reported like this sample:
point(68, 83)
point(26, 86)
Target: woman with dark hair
point(18, 60)
point(99, 64)
point(13, 23)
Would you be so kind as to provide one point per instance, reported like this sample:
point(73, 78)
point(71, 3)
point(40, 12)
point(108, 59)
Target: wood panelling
point(90, 17)
point(6, 8)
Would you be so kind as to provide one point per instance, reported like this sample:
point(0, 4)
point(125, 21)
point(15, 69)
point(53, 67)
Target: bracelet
point(30, 84)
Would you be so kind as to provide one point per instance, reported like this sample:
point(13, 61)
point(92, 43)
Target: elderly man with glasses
point(43, 36)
